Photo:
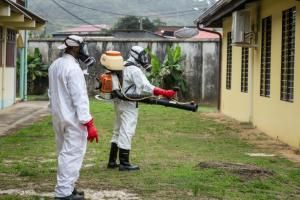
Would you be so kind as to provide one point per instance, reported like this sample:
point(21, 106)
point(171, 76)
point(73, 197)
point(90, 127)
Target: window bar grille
point(288, 55)
point(229, 62)
point(10, 48)
point(244, 75)
point(265, 72)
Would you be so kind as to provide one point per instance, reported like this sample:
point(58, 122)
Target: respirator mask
point(141, 57)
point(84, 55)
point(83, 49)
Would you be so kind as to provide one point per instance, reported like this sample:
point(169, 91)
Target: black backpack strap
point(120, 77)
point(128, 63)
point(132, 85)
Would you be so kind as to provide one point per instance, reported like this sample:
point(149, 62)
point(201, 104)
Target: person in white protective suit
point(72, 121)
point(134, 82)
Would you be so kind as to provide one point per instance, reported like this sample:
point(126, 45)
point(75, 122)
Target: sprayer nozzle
point(176, 89)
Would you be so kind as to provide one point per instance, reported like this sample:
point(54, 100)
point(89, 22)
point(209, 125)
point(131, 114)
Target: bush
point(169, 74)
point(37, 73)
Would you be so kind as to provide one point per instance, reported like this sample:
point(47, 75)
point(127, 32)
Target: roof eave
point(214, 15)
point(18, 17)
point(28, 12)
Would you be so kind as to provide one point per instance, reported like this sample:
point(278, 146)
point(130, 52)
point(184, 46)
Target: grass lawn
point(168, 146)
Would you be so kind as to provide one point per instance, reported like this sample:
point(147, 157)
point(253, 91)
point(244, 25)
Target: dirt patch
point(110, 195)
point(243, 170)
point(263, 142)
point(89, 194)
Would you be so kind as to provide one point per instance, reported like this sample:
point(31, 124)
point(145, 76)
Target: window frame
point(229, 62)
point(266, 54)
point(11, 37)
point(245, 69)
point(287, 75)
point(1, 45)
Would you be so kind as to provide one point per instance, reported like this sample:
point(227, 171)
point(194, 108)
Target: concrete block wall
point(201, 68)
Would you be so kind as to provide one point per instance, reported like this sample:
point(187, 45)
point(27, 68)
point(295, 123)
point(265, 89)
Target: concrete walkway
point(21, 115)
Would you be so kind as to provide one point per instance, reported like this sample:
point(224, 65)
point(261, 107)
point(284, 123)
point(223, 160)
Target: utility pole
point(23, 66)
point(177, 18)
point(22, 70)
point(141, 23)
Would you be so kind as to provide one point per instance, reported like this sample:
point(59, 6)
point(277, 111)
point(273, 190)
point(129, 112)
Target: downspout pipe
point(220, 59)
point(3, 64)
point(21, 75)
point(25, 60)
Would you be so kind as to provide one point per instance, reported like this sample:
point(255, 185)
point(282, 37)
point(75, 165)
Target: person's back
point(61, 73)
point(71, 119)
point(134, 82)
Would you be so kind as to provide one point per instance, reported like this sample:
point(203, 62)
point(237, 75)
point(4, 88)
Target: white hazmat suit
point(70, 111)
point(134, 82)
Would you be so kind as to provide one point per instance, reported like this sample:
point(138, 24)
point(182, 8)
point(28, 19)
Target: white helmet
point(140, 56)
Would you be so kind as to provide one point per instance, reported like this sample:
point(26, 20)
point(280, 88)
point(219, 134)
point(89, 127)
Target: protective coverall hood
point(75, 41)
point(139, 57)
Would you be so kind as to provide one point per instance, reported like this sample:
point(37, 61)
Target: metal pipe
point(152, 100)
point(169, 103)
point(220, 60)
point(4, 33)
point(21, 83)
point(25, 59)
point(251, 82)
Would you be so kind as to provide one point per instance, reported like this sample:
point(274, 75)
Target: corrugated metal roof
point(88, 28)
point(205, 35)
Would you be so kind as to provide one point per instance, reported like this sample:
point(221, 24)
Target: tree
point(134, 23)
point(157, 22)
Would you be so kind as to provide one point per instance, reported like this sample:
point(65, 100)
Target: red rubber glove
point(92, 131)
point(166, 93)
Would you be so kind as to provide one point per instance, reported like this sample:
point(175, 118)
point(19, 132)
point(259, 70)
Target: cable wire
point(70, 13)
point(94, 9)
point(175, 13)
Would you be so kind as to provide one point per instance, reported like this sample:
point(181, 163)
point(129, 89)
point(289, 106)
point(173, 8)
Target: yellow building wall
point(2, 75)
point(10, 87)
point(277, 118)
point(7, 78)
point(233, 102)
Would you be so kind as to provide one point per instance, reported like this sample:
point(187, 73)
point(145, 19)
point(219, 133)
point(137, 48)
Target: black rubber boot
point(124, 161)
point(76, 192)
point(112, 163)
point(71, 197)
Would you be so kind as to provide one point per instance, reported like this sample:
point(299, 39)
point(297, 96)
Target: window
point(288, 54)
point(229, 61)
point(1, 44)
point(10, 48)
point(265, 67)
point(244, 75)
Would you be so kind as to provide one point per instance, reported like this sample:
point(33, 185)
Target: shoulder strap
point(132, 85)
point(120, 77)
point(128, 63)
